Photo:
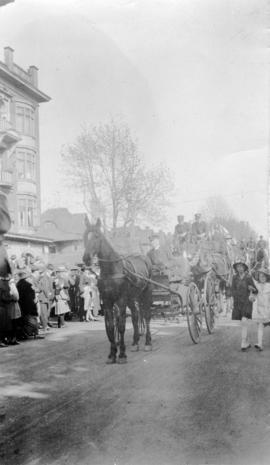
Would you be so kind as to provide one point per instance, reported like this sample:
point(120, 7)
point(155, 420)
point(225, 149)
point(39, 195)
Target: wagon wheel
point(116, 312)
point(176, 304)
point(194, 312)
point(141, 320)
point(209, 302)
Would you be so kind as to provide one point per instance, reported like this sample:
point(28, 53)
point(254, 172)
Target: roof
point(61, 225)
point(23, 84)
point(28, 238)
point(5, 2)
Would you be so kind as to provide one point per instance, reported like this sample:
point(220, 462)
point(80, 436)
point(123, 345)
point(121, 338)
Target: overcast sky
point(189, 77)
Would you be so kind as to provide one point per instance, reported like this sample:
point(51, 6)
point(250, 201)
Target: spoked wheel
point(194, 312)
point(176, 305)
point(141, 320)
point(116, 314)
point(209, 302)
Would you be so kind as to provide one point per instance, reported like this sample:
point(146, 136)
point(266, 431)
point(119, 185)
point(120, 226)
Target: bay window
point(26, 164)
point(25, 119)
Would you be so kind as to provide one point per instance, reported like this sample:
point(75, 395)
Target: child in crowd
point(262, 305)
point(243, 292)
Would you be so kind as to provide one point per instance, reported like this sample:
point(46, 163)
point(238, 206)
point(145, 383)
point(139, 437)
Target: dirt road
point(179, 404)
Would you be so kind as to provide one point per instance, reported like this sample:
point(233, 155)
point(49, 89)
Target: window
point(25, 119)
point(26, 164)
point(27, 211)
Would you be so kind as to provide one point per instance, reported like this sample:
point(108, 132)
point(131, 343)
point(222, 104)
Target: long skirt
point(5, 321)
point(61, 307)
point(14, 310)
point(29, 325)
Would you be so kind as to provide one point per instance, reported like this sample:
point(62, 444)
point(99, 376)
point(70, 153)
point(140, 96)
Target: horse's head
point(92, 241)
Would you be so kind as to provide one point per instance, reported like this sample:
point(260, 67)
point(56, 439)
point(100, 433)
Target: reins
point(116, 260)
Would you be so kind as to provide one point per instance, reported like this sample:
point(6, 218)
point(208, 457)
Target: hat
point(38, 266)
point(61, 268)
point(23, 273)
point(240, 261)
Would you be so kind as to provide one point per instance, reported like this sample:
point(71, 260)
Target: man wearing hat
point(243, 292)
point(198, 228)
point(159, 256)
point(180, 234)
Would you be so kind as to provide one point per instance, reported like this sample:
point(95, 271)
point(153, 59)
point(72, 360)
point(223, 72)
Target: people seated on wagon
point(163, 261)
point(198, 228)
point(180, 234)
point(159, 256)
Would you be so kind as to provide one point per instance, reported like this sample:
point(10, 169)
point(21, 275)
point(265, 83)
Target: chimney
point(33, 73)
point(8, 53)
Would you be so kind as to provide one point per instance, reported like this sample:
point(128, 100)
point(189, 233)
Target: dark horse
point(122, 284)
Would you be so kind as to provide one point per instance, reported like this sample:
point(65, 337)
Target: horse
point(122, 283)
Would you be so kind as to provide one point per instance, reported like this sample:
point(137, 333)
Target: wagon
point(186, 297)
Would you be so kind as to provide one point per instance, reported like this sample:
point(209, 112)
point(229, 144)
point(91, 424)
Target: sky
point(190, 77)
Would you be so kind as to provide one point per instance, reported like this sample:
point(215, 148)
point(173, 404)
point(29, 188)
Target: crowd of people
point(36, 297)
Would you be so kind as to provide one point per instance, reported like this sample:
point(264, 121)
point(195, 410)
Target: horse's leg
point(121, 328)
point(110, 330)
point(135, 318)
point(146, 302)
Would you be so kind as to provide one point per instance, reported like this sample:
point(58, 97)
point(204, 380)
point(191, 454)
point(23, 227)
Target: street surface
point(181, 404)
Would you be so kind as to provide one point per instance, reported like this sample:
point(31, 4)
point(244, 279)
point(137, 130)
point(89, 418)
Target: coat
point(242, 306)
point(45, 289)
point(6, 300)
point(27, 298)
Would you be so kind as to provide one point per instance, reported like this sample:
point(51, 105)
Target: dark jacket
point(27, 298)
point(242, 307)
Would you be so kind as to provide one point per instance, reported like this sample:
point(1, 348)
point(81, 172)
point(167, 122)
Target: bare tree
point(217, 210)
point(105, 166)
point(216, 207)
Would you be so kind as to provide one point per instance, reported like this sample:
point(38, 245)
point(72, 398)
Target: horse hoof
point(122, 360)
point(135, 348)
point(147, 348)
point(110, 361)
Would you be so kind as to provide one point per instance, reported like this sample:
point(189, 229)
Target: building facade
point(19, 152)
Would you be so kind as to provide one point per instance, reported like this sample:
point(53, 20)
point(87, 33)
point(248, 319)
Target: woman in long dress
point(28, 304)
